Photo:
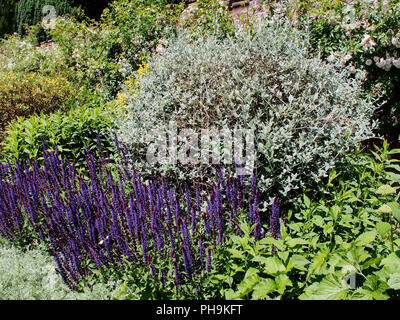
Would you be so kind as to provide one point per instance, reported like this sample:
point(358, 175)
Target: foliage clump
point(71, 131)
point(22, 95)
point(338, 245)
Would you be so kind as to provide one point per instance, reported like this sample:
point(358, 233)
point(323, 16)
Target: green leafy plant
point(350, 233)
point(363, 36)
point(70, 131)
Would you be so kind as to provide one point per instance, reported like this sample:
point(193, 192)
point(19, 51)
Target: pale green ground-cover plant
point(29, 274)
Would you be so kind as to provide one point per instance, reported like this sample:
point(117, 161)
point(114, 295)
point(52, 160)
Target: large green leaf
point(394, 281)
point(330, 288)
point(273, 265)
point(236, 254)
point(299, 262)
point(365, 238)
point(386, 190)
point(251, 278)
point(383, 228)
point(263, 288)
point(395, 206)
point(296, 241)
point(318, 262)
point(392, 262)
point(282, 282)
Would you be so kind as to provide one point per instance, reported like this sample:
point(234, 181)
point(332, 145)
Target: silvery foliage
point(306, 113)
point(31, 275)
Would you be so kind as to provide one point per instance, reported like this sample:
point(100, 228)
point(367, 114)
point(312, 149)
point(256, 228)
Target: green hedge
point(7, 16)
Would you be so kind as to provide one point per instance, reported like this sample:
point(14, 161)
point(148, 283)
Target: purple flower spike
point(274, 222)
point(208, 266)
point(202, 250)
point(177, 274)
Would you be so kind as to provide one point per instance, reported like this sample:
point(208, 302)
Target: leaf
point(392, 262)
point(231, 295)
point(296, 241)
point(318, 221)
point(328, 229)
point(365, 238)
point(307, 201)
point(282, 281)
point(383, 228)
point(386, 190)
point(330, 288)
point(263, 288)
point(393, 151)
point(318, 262)
point(236, 254)
point(395, 206)
point(385, 209)
point(374, 288)
point(272, 265)
point(335, 212)
point(251, 278)
point(122, 291)
point(271, 241)
point(366, 294)
point(394, 281)
point(220, 277)
point(299, 262)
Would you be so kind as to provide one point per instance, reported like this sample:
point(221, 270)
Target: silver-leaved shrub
point(305, 113)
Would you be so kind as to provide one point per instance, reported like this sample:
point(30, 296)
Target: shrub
point(99, 54)
point(22, 95)
point(129, 88)
point(103, 54)
point(71, 132)
point(88, 52)
point(20, 54)
point(362, 35)
point(305, 113)
point(133, 30)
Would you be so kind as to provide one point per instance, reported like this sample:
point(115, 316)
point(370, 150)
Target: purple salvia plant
point(97, 219)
